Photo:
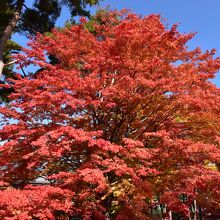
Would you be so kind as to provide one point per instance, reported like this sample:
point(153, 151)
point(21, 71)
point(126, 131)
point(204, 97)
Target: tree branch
point(25, 75)
point(11, 62)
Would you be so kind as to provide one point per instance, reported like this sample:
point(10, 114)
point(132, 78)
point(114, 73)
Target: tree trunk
point(200, 213)
point(170, 215)
point(1, 65)
point(195, 209)
point(8, 32)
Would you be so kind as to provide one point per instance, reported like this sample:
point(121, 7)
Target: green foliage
point(43, 15)
point(78, 7)
point(6, 13)
point(40, 18)
point(10, 47)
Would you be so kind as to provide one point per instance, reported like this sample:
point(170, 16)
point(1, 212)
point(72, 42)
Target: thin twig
point(25, 75)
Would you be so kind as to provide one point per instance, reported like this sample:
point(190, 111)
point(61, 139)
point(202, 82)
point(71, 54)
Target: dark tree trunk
point(200, 213)
point(8, 32)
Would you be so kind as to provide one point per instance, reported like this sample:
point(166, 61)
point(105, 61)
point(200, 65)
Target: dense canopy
point(30, 18)
point(124, 126)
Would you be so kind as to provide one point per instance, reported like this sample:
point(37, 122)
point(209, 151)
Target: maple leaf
point(126, 123)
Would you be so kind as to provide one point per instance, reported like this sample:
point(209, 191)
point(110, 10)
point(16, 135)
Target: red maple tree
point(124, 124)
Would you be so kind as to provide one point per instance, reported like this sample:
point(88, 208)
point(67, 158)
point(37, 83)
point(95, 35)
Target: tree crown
point(126, 120)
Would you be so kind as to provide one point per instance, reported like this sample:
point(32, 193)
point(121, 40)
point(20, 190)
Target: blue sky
point(201, 16)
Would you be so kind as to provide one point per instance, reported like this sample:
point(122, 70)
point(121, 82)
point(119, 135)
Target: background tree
point(15, 16)
point(126, 125)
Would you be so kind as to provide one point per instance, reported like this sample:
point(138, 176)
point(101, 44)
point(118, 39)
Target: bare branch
point(12, 62)
point(25, 75)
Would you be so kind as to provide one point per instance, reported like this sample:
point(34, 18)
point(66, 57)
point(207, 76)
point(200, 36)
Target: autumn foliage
point(124, 123)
